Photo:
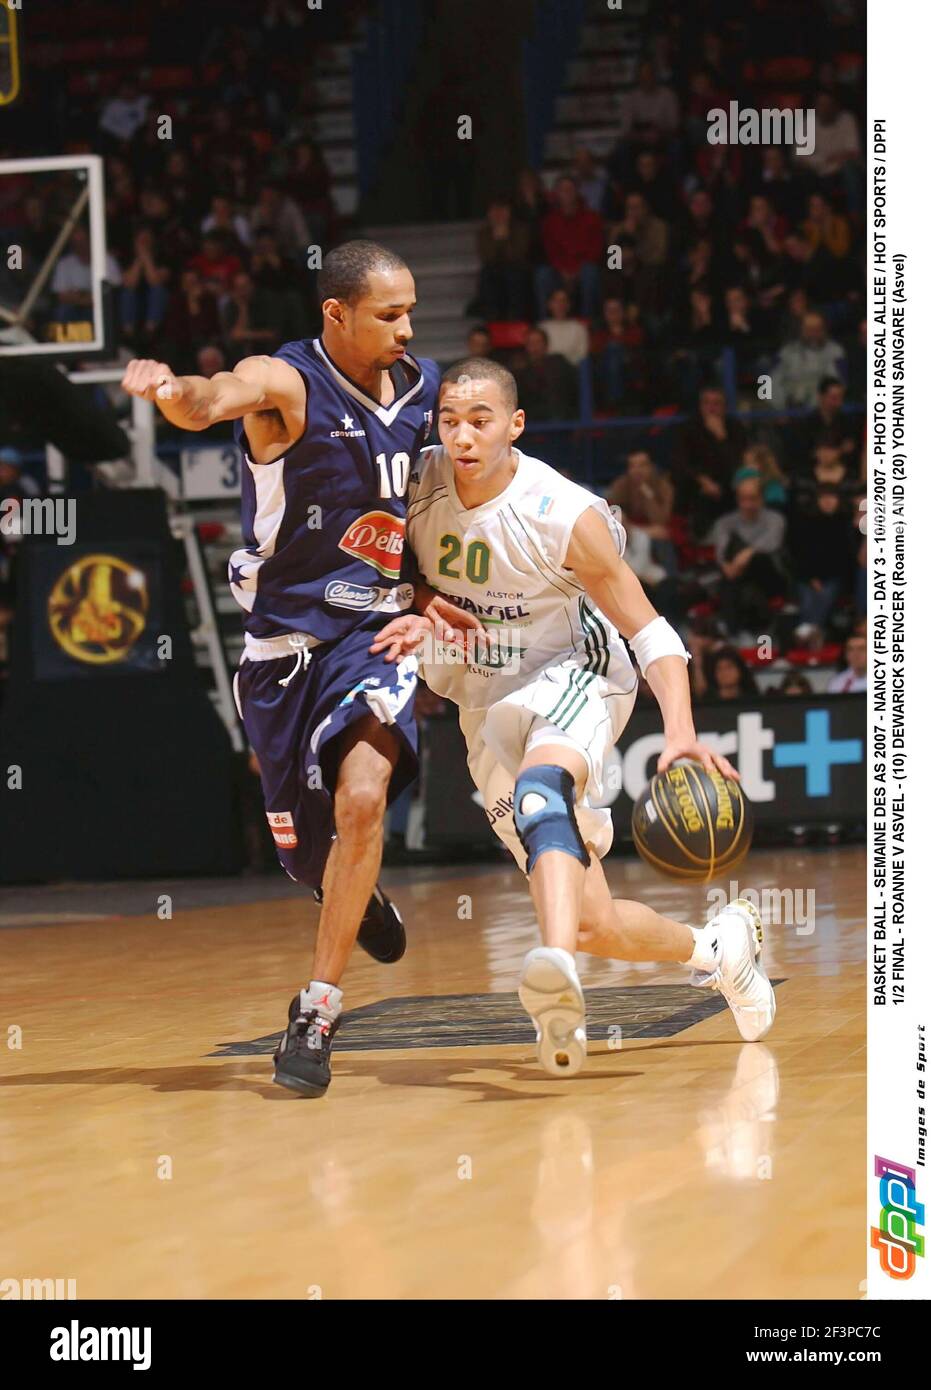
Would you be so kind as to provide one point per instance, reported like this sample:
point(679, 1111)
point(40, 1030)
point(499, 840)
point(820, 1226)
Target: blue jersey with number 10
point(324, 524)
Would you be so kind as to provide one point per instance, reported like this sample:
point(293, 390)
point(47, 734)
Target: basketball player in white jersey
point(539, 560)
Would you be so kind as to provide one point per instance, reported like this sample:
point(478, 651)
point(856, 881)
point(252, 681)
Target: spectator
point(478, 342)
point(530, 207)
point(836, 156)
point(616, 353)
point(699, 329)
point(829, 471)
point(654, 185)
point(71, 282)
point(700, 224)
point(705, 459)
point(121, 203)
point(825, 228)
point(649, 234)
point(759, 273)
point(573, 242)
point(802, 365)
point(799, 268)
point(777, 183)
point(820, 540)
point(701, 639)
point(547, 387)
point(699, 259)
point(250, 322)
point(718, 171)
point(281, 282)
point(36, 232)
point(169, 226)
point(216, 266)
point(282, 216)
point(308, 183)
point(827, 425)
point(795, 684)
point(703, 96)
point(504, 278)
point(729, 677)
point(766, 223)
point(145, 291)
point(123, 114)
point(646, 497)
point(567, 336)
point(591, 180)
point(748, 547)
point(854, 677)
point(741, 325)
point(224, 221)
point(759, 461)
point(179, 181)
point(192, 317)
point(649, 112)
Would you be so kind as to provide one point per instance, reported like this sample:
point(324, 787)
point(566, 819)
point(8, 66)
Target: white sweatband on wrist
point(657, 639)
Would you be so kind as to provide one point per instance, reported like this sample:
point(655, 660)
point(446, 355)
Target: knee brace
point(544, 814)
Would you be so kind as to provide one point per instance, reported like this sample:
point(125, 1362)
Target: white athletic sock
point(326, 999)
point(707, 953)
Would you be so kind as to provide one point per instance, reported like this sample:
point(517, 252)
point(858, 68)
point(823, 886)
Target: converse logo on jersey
point(377, 538)
point(347, 432)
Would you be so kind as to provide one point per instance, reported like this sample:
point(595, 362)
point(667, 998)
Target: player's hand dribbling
point(153, 381)
point(696, 752)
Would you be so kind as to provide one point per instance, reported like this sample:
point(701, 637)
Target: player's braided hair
point(483, 369)
point(345, 270)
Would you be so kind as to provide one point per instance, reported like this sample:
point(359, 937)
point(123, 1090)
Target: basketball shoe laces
point(313, 1021)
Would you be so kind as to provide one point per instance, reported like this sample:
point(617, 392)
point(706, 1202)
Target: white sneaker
point(740, 977)
point(551, 993)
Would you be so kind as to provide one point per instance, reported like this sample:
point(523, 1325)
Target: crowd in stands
point(627, 284)
point(722, 286)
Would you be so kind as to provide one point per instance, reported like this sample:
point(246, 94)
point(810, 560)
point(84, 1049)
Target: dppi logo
point(896, 1236)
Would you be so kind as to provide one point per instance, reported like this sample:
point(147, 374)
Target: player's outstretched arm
point(615, 589)
point(197, 402)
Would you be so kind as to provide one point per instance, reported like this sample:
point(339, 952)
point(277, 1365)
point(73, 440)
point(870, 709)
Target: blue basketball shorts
point(295, 708)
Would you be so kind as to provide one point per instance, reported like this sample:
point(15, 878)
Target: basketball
point(692, 824)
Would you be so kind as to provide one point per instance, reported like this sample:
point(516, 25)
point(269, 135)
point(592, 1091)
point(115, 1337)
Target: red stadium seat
point(508, 333)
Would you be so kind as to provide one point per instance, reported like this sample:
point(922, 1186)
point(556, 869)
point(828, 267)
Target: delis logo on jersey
point(377, 538)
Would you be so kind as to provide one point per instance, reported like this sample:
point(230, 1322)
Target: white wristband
point(657, 639)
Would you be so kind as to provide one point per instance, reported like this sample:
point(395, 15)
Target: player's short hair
point(483, 369)
point(344, 274)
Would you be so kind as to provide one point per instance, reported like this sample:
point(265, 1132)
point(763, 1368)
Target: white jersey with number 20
point(505, 562)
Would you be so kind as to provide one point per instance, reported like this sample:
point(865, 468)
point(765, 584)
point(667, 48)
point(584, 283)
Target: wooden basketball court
point(145, 1151)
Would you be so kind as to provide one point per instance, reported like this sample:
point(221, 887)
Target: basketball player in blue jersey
point(328, 429)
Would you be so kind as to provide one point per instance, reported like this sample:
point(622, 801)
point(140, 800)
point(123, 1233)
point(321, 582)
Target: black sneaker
point(381, 932)
point(302, 1058)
